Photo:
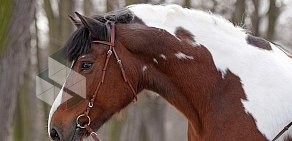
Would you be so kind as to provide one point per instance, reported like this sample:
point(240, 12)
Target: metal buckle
point(79, 125)
point(90, 104)
point(93, 133)
point(109, 52)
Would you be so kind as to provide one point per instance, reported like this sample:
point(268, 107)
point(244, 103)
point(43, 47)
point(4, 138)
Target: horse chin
point(87, 138)
point(82, 135)
point(78, 135)
point(81, 138)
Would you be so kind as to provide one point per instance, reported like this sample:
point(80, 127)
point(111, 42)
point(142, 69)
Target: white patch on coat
point(163, 56)
point(181, 55)
point(144, 68)
point(57, 102)
point(223, 73)
point(154, 59)
point(266, 76)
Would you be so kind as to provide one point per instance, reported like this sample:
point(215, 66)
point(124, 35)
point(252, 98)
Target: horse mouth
point(80, 134)
point(77, 135)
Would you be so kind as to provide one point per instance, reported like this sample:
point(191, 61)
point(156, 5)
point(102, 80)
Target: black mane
point(80, 41)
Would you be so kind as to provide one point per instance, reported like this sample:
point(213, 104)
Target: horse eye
point(86, 65)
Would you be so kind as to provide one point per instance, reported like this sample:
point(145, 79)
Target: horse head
point(101, 51)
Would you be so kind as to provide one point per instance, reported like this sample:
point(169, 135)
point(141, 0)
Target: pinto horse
point(228, 84)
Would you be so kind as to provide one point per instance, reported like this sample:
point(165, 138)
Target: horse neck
point(183, 73)
point(186, 83)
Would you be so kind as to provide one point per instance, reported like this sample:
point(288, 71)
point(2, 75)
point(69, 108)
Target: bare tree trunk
point(273, 15)
point(187, 3)
point(238, 16)
point(30, 110)
point(5, 14)
point(129, 2)
point(87, 7)
point(145, 120)
point(66, 27)
point(14, 62)
point(112, 5)
point(215, 4)
point(256, 18)
point(59, 24)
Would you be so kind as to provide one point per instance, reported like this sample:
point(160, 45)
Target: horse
point(229, 84)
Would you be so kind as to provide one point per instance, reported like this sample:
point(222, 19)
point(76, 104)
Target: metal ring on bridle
point(79, 125)
point(90, 104)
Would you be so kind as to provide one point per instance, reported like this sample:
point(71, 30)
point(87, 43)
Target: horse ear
point(94, 26)
point(75, 21)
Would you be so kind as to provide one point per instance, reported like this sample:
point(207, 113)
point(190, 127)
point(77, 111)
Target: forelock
point(80, 41)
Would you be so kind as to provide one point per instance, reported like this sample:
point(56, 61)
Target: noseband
point(111, 43)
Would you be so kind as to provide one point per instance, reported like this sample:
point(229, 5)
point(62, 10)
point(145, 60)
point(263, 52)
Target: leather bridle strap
point(111, 50)
point(283, 131)
point(110, 27)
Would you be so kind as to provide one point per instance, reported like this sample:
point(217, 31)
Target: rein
point(111, 43)
point(282, 131)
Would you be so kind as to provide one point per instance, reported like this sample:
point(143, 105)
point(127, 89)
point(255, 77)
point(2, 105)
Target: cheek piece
point(85, 115)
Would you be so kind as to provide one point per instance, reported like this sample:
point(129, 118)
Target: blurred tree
point(256, 18)
point(14, 60)
point(60, 27)
point(5, 13)
point(187, 3)
point(238, 16)
point(87, 7)
point(215, 4)
point(273, 15)
point(129, 2)
point(145, 120)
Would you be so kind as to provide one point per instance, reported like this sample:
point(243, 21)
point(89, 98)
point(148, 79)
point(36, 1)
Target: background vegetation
point(31, 30)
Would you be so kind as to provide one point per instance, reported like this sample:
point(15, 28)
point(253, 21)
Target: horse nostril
point(54, 135)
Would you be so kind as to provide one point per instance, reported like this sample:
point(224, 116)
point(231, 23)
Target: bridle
point(111, 43)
